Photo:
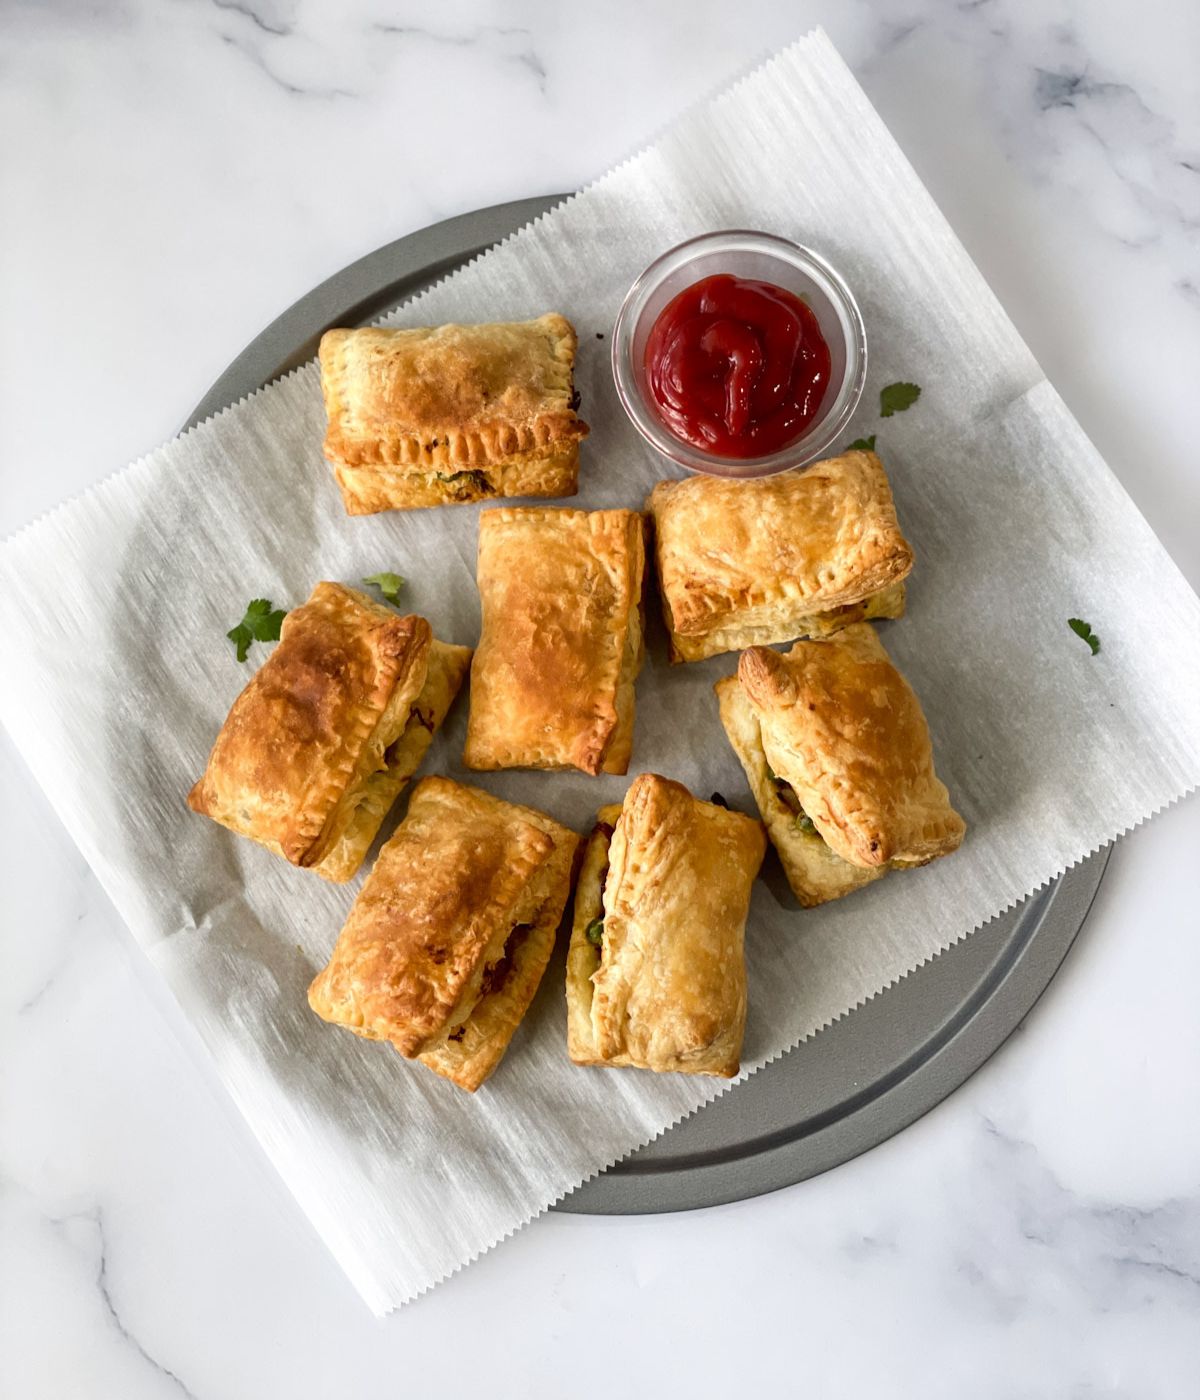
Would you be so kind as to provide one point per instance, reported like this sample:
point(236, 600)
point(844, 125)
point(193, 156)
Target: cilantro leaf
point(467, 480)
point(263, 621)
point(594, 933)
point(895, 398)
point(260, 624)
point(718, 801)
point(389, 584)
point(1084, 630)
point(241, 638)
point(866, 444)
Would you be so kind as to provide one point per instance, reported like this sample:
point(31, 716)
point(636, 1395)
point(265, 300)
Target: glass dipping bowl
point(767, 258)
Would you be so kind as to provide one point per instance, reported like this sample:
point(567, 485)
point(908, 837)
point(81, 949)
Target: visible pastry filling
point(417, 719)
point(494, 976)
point(499, 958)
point(786, 794)
point(373, 771)
point(594, 933)
point(396, 749)
point(393, 751)
point(593, 879)
point(803, 823)
point(497, 973)
point(744, 629)
point(466, 483)
point(588, 951)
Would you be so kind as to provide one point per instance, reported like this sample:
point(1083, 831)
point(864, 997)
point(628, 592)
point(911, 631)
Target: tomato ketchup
point(737, 368)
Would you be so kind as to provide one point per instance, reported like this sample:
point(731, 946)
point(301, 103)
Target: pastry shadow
point(774, 880)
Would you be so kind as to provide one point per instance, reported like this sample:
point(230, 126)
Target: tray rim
point(1010, 991)
point(937, 1067)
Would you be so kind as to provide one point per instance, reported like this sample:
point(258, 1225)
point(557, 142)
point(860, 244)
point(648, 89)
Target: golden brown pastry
point(837, 752)
point(447, 941)
point(804, 553)
point(552, 683)
point(445, 414)
point(656, 971)
point(335, 722)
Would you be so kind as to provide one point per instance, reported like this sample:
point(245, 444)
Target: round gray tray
point(867, 1076)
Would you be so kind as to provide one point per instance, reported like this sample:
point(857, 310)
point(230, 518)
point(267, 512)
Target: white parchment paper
point(116, 675)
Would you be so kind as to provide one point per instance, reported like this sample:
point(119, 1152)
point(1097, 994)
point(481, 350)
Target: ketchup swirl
point(737, 368)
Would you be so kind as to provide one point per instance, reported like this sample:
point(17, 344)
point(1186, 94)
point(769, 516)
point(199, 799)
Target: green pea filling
point(787, 795)
point(594, 933)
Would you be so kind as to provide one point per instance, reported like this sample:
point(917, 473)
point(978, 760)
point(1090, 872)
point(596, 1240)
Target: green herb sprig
point(1084, 630)
point(389, 585)
point(895, 398)
point(594, 933)
point(260, 624)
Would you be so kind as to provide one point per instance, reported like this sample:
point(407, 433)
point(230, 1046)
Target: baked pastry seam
point(430, 415)
point(667, 985)
point(447, 941)
point(553, 679)
point(313, 750)
point(842, 738)
point(778, 556)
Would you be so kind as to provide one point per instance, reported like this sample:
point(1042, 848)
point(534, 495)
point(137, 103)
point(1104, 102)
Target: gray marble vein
point(91, 1223)
point(261, 17)
point(514, 44)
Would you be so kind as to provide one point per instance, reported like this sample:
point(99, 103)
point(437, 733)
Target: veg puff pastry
point(444, 414)
point(837, 753)
point(552, 683)
point(804, 553)
point(447, 941)
point(664, 890)
point(335, 722)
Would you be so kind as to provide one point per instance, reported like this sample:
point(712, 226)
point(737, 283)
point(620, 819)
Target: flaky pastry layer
point(446, 943)
point(769, 559)
point(552, 682)
point(888, 603)
point(668, 987)
point(374, 798)
point(815, 874)
point(297, 764)
point(843, 727)
point(368, 490)
point(429, 415)
point(583, 957)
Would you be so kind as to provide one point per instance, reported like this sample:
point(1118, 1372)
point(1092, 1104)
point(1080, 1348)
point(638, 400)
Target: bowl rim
point(817, 439)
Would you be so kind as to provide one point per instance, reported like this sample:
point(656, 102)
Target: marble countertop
point(182, 173)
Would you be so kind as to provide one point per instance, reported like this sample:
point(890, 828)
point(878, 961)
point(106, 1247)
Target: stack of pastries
point(452, 930)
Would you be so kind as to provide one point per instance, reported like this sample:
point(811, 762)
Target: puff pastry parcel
point(447, 941)
point(552, 683)
point(837, 752)
point(426, 416)
point(335, 722)
point(801, 554)
point(656, 972)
